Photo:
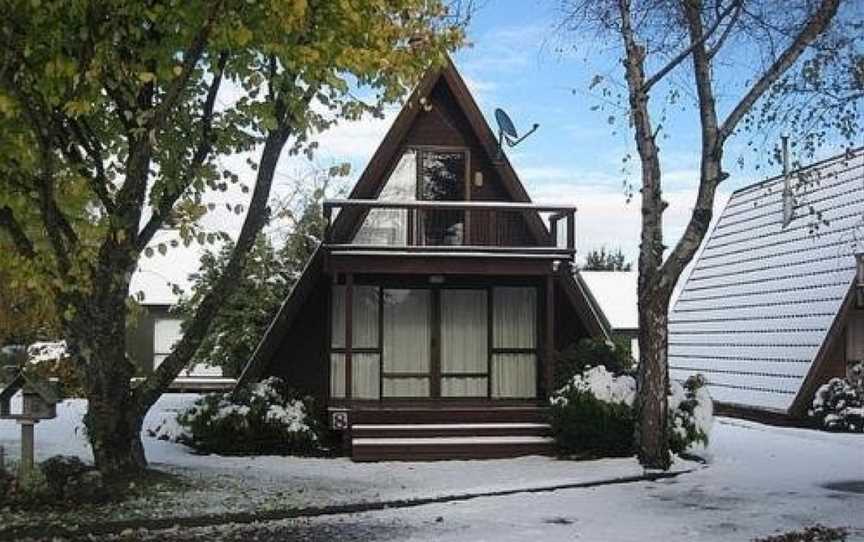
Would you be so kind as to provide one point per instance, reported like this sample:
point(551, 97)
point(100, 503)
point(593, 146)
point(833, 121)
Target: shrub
point(264, 418)
point(690, 414)
point(839, 406)
point(592, 415)
point(814, 533)
point(577, 358)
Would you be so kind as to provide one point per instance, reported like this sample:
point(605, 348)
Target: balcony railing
point(487, 227)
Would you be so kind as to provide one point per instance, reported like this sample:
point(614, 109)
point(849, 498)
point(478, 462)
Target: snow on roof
point(615, 292)
point(761, 299)
point(157, 275)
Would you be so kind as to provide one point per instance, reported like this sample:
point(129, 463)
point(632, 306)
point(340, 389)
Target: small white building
point(159, 283)
point(615, 293)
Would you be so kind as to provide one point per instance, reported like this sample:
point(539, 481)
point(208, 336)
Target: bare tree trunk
point(651, 405)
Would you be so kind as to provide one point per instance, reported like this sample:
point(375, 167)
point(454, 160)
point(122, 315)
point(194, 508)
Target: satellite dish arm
point(513, 143)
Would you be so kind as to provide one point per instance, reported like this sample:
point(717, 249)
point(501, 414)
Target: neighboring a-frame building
point(428, 320)
point(772, 311)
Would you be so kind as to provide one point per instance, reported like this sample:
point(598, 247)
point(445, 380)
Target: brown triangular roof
point(372, 179)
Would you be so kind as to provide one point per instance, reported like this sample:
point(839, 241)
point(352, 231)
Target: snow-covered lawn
point(237, 484)
point(759, 480)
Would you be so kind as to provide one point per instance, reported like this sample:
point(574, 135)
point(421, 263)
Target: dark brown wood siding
point(301, 357)
point(445, 126)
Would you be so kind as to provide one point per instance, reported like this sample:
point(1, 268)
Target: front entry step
point(395, 430)
point(424, 434)
point(434, 448)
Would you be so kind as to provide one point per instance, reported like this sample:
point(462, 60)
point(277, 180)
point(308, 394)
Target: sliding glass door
point(407, 352)
point(464, 343)
point(432, 342)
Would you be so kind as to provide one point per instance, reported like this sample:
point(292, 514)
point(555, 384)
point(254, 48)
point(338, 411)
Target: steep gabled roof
point(758, 312)
point(377, 170)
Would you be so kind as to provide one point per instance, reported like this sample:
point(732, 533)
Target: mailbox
point(40, 397)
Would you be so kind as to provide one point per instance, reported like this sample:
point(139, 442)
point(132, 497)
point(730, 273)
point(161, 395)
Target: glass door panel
point(442, 178)
point(464, 343)
point(407, 343)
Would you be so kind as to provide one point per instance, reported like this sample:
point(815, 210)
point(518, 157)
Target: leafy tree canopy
point(601, 260)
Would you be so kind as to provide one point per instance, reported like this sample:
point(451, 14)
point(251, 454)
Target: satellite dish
point(507, 131)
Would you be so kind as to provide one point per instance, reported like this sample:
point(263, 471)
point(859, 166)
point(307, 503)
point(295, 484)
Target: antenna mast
point(788, 196)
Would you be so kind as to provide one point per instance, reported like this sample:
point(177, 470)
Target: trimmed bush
point(839, 406)
point(264, 418)
point(576, 358)
point(691, 413)
point(592, 415)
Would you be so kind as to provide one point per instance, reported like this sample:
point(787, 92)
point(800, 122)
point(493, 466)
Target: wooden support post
point(553, 230)
point(549, 335)
point(349, 334)
point(571, 230)
point(27, 448)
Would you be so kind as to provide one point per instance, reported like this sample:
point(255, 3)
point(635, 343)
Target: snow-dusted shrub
point(691, 413)
point(589, 352)
point(263, 418)
point(839, 406)
point(592, 415)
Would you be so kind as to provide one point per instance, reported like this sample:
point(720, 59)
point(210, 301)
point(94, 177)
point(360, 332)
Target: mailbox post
point(39, 402)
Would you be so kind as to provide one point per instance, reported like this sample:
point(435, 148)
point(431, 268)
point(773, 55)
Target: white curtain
point(364, 377)
point(464, 331)
point(407, 342)
point(166, 332)
point(337, 375)
point(406, 387)
point(514, 375)
point(514, 325)
point(463, 387)
point(390, 226)
point(364, 328)
point(407, 330)
point(514, 319)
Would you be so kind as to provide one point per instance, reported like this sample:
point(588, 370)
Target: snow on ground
point(237, 484)
point(759, 480)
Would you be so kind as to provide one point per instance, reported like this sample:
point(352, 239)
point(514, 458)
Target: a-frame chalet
point(428, 320)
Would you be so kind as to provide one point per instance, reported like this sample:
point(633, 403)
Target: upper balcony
point(463, 229)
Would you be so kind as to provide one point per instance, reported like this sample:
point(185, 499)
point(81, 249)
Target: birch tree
point(699, 43)
point(114, 118)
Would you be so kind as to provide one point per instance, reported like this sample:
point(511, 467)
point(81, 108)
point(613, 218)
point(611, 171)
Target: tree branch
point(814, 27)
point(654, 79)
point(202, 151)
point(190, 59)
point(16, 232)
point(711, 153)
point(726, 31)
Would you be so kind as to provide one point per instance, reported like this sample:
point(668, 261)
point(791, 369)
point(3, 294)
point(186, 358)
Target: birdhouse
point(40, 398)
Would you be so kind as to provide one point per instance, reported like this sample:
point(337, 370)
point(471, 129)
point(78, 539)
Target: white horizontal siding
point(758, 305)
